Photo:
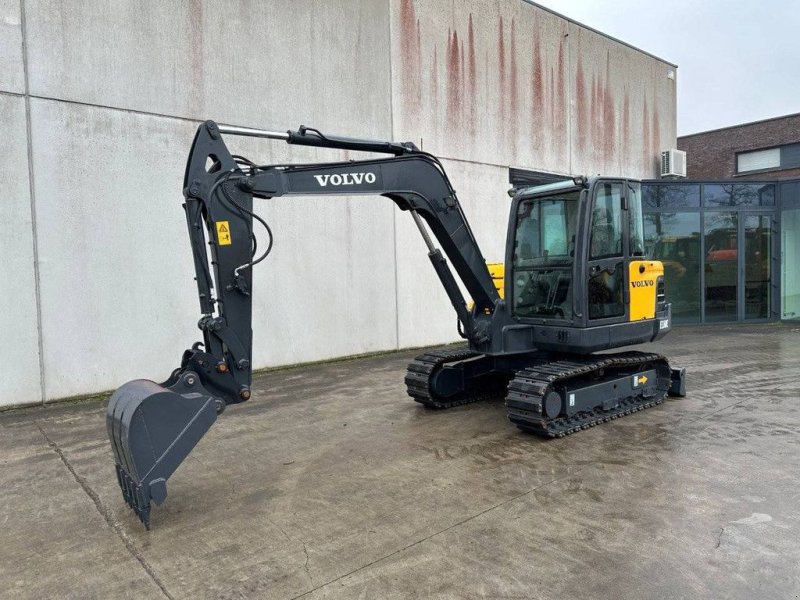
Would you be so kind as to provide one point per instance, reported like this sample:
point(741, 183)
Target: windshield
point(544, 248)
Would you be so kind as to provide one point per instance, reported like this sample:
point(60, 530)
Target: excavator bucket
point(152, 429)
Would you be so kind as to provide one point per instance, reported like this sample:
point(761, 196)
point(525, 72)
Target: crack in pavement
point(719, 537)
point(106, 514)
point(305, 566)
point(305, 549)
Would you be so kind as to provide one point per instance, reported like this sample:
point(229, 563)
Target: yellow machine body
point(643, 280)
point(497, 271)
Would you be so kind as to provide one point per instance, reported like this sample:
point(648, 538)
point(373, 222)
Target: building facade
point(765, 149)
point(729, 235)
point(730, 249)
point(101, 100)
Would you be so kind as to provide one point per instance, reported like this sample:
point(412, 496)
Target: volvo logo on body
point(338, 179)
point(643, 283)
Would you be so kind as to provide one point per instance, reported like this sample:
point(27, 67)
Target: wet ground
point(332, 483)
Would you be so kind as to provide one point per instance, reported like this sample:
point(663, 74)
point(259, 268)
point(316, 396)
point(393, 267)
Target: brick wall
point(712, 154)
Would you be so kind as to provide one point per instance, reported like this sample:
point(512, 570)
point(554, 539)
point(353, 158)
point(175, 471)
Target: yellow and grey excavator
point(576, 282)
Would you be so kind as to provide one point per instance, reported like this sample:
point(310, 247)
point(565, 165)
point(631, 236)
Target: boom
point(219, 189)
point(219, 198)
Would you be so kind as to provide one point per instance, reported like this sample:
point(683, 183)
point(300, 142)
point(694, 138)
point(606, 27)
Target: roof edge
point(737, 126)
point(597, 31)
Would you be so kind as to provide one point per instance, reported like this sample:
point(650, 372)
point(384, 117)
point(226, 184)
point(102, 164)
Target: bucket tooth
point(152, 429)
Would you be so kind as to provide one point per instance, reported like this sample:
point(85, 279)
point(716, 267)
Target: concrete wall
point(101, 99)
point(509, 83)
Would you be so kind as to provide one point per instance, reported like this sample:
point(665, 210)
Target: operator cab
point(577, 261)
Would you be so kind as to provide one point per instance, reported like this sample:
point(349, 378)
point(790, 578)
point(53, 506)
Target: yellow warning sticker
point(223, 233)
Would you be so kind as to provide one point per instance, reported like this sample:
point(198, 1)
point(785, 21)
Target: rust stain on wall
point(609, 116)
point(453, 66)
point(646, 148)
point(501, 66)
point(592, 125)
point(537, 92)
point(198, 44)
point(522, 91)
point(462, 76)
point(599, 137)
point(656, 133)
point(472, 77)
point(513, 91)
point(434, 82)
point(551, 140)
point(410, 54)
point(581, 102)
point(625, 145)
point(559, 119)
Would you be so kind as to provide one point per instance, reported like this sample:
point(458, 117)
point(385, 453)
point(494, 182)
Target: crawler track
point(529, 387)
point(423, 369)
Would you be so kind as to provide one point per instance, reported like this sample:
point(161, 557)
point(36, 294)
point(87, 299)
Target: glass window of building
point(732, 256)
point(757, 265)
point(721, 265)
point(674, 239)
point(679, 195)
point(733, 194)
point(790, 259)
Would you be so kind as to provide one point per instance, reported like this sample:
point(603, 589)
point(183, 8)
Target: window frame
point(781, 165)
point(570, 267)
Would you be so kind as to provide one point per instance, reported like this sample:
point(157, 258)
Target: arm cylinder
point(251, 132)
point(311, 137)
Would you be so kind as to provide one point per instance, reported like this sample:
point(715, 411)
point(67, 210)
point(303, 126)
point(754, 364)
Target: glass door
point(721, 268)
point(607, 285)
point(790, 258)
point(756, 267)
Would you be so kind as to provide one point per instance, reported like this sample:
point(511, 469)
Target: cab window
point(544, 250)
point(607, 222)
point(636, 218)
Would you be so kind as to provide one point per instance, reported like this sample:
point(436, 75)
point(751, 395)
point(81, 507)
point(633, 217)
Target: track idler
point(153, 427)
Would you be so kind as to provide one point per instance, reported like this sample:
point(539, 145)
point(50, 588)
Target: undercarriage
point(545, 394)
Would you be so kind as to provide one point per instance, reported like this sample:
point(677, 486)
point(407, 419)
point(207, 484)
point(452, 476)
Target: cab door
point(608, 255)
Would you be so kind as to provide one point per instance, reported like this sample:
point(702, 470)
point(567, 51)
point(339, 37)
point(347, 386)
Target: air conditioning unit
point(673, 163)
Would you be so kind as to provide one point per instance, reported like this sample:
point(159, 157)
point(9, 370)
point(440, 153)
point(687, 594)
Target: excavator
point(576, 283)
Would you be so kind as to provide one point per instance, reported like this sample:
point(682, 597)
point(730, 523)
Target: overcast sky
point(738, 60)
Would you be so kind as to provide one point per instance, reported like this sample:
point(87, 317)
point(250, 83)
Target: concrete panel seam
point(441, 156)
point(32, 193)
point(394, 211)
point(569, 99)
point(132, 111)
point(396, 288)
point(116, 527)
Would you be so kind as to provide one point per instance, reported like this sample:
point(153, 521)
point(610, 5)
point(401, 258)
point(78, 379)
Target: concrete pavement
point(332, 483)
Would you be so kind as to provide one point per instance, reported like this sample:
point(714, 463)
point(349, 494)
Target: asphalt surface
point(332, 483)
